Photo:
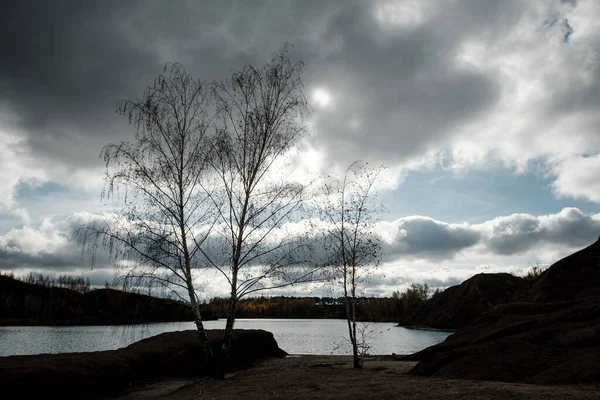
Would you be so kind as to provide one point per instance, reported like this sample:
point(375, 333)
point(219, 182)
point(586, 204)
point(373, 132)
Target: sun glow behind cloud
point(400, 14)
point(321, 98)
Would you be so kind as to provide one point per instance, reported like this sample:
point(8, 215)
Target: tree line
point(374, 309)
point(77, 283)
point(367, 308)
point(32, 300)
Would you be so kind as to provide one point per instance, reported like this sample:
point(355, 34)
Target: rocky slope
point(457, 306)
point(549, 334)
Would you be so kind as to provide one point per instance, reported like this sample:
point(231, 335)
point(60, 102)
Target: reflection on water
point(296, 336)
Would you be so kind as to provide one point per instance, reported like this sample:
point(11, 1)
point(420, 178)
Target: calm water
point(296, 336)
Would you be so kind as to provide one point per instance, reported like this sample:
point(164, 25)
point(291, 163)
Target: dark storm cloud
point(14, 261)
point(523, 232)
point(396, 89)
point(402, 88)
point(67, 63)
point(515, 234)
point(427, 238)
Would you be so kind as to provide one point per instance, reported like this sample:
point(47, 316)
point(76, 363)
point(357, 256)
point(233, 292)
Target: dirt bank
point(102, 373)
point(551, 335)
point(331, 377)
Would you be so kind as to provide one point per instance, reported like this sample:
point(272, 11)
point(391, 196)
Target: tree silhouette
point(162, 216)
point(260, 122)
point(351, 242)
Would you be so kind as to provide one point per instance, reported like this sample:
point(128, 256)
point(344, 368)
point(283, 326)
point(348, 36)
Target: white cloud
point(20, 166)
point(15, 165)
point(421, 238)
point(578, 177)
point(416, 249)
point(35, 241)
point(400, 14)
point(545, 75)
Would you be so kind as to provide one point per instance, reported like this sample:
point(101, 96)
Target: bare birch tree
point(261, 121)
point(163, 215)
point(351, 242)
point(201, 192)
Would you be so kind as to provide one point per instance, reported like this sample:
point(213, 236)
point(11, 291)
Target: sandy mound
point(95, 374)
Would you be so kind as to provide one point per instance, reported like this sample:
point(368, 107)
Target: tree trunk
point(209, 357)
point(226, 346)
point(351, 321)
point(356, 357)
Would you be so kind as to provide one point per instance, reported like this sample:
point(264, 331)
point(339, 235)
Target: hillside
point(549, 334)
point(457, 306)
point(575, 276)
point(28, 304)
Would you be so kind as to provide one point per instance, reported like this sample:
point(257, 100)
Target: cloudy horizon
point(485, 112)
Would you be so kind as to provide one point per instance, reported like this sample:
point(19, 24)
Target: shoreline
point(276, 375)
point(64, 323)
point(8, 322)
point(425, 328)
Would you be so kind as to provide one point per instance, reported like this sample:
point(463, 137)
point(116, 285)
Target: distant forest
point(77, 283)
point(369, 308)
point(71, 301)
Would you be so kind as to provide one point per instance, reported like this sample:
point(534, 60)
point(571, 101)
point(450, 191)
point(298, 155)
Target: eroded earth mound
point(549, 334)
point(103, 373)
point(457, 306)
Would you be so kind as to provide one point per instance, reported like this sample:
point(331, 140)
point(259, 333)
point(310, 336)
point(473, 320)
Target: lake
point(295, 336)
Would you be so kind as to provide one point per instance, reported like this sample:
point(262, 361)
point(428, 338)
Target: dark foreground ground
point(170, 366)
point(331, 377)
point(103, 374)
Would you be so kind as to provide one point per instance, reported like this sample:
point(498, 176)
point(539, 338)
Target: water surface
point(295, 336)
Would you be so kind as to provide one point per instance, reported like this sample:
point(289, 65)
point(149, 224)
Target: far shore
point(4, 322)
point(22, 322)
point(425, 328)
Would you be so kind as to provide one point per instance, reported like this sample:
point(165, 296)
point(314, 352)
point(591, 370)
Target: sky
point(486, 113)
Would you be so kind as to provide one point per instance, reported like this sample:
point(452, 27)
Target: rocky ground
point(331, 377)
